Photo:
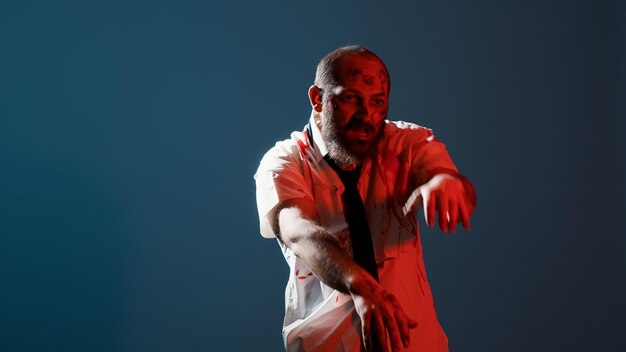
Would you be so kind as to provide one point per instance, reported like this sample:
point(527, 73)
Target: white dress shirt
point(318, 317)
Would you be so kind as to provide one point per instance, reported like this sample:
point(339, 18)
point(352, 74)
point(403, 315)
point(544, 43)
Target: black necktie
point(354, 211)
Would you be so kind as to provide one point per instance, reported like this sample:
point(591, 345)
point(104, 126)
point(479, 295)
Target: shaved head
point(327, 75)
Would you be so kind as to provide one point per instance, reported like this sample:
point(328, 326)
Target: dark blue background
point(130, 131)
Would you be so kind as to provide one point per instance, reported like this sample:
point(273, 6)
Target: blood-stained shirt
point(318, 317)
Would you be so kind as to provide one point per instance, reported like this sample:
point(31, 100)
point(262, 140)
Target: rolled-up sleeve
point(429, 156)
point(280, 177)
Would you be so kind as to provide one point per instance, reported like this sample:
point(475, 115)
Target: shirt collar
point(319, 146)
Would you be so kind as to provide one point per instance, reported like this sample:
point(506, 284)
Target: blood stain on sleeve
point(302, 277)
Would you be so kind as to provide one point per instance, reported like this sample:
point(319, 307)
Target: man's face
point(354, 112)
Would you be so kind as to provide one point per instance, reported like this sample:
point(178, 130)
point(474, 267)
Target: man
point(339, 196)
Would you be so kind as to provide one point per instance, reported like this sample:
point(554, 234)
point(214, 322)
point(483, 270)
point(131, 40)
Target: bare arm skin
point(378, 309)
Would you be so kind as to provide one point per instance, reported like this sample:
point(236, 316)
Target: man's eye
point(379, 101)
point(347, 98)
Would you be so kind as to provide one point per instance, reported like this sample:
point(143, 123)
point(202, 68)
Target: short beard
point(338, 149)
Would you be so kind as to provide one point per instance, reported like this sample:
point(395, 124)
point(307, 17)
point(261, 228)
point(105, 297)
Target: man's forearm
point(379, 311)
point(321, 251)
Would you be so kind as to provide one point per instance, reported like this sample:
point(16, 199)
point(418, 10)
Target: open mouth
point(360, 132)
point(360, 127)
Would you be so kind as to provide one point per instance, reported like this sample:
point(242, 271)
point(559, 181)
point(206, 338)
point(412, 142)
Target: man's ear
point(315, 97)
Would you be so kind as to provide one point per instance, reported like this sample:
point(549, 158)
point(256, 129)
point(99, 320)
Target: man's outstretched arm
point(378, 309)
point(452, 197)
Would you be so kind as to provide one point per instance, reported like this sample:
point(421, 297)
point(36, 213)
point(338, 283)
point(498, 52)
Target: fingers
point(383, 322)
point(454, 215)
point(366, 330)
point(451, 207)
point(379, 340)
point(394, 325)
point(404, 325)
point(429, 209)
point(404, 333)
point(457, 213)
point(442, 208)
point(373, 331)
point(465, 217)
point(394, 322)
point(445, 197)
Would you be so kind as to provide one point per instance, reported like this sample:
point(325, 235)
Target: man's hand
point(380, 312)
point(446, 195)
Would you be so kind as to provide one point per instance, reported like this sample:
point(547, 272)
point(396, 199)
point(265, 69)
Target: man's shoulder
point(403, 130)
point(290, 148)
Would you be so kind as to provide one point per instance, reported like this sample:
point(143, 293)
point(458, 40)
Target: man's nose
point(364, 111)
